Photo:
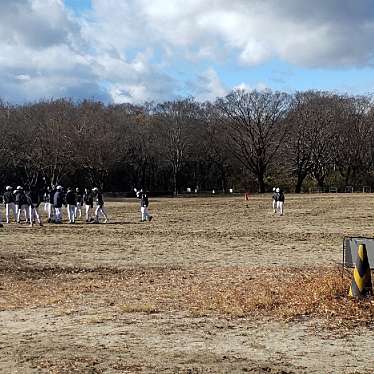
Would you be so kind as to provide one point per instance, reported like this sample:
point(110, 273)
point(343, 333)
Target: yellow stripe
point(359, 281)
point(360, 252)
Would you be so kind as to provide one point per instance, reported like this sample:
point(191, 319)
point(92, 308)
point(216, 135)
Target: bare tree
point(215, 140)
point(311, 125)
point(184, 143)
point(175, 125)
point(324, 114)
point(353, 141)
point(100, 142)
point(257, 128)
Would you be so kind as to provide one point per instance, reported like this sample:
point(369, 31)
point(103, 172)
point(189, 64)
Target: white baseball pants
point(10, 207)
point(280, 207)
point(58, 215)
point(71, 212)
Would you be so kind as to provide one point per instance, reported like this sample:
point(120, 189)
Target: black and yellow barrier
point(361, 283)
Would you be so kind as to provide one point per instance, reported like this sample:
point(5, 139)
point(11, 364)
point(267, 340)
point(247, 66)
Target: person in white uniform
point(280, 201)
point(99, 206)
point(10, 204)
point(274, 200)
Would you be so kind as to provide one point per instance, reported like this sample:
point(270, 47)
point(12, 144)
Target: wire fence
point(345, 189)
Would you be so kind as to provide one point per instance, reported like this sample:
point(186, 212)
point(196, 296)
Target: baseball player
point(71, 204)
point(33, 201)
point(10, 204)
point(51, 208)
point(88, 203)
point(21, 204)
point(144, 203)
point(274, 200)
point(58, 200)
point(1, 220)
point(79, 198)
point(280, 201)
point(46, 199)
point(99, 205)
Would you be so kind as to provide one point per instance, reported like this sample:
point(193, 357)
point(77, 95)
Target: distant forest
point(245, 141)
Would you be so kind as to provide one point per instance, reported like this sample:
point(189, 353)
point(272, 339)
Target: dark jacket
point(88, 199)
point(280, 196)
point(58, 199)
point(79, 198)
point(143, 199)
point(17, 197)
point(29, 200)
point(20, 198)
point(8, 197)
point(99, 199)
point(70, 198)
point(52, 196)
point(34, 198)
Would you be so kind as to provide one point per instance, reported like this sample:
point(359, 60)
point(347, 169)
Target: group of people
point(19, 202)
point(278, 201)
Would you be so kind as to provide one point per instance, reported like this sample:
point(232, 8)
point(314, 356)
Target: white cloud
point(23, 77)
point(259, 86)
point(129, 50)
point(207, 86)
point(243, 86)
point(306, 33)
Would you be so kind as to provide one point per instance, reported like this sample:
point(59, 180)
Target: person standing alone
point(144, 203)
point(99, 205)
point(280, 201)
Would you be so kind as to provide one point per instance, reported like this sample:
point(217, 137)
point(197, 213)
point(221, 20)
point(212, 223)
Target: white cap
point(273, 188)
point(277, 190)
point(59, 188)
point(8, 188)
point(95, 189)
point(19, 188)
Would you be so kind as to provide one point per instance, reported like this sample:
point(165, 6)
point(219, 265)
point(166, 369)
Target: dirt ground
point(186, 293)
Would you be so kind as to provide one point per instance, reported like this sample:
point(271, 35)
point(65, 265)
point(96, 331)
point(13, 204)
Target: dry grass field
point(211, 285)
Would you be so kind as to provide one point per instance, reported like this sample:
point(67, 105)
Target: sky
point(135, 51)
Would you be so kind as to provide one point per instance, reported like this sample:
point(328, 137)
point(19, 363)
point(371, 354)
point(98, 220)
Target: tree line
point(247, 140)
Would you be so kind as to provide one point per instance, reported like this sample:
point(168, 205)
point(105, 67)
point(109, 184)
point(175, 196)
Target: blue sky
point(79, 6)
point(140, 50)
